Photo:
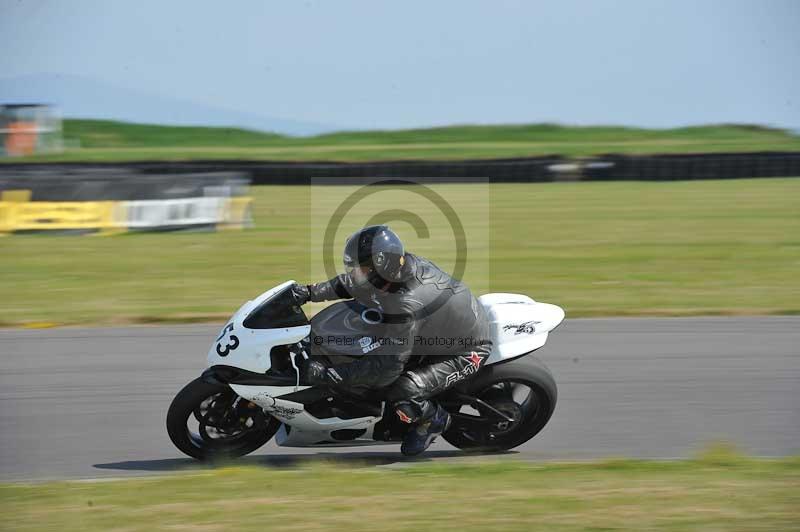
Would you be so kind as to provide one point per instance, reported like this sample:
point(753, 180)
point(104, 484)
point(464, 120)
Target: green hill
point(110, 134)
point(101, 140)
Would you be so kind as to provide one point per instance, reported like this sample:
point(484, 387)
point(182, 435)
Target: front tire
point(499, 386)
point(227, 425)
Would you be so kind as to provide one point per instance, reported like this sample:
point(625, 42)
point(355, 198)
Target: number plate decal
point(230, 345)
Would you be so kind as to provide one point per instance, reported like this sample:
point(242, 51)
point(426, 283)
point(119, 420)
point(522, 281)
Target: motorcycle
point(252, 389)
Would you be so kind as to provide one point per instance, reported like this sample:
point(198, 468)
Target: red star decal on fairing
point(475, 359)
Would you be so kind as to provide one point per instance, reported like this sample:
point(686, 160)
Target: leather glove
point(315, 372)
point(301, 293)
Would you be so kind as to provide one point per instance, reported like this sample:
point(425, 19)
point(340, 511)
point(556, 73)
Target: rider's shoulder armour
point(427, 273)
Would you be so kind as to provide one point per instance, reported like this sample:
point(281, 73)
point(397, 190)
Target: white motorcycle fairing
point(519, 325)
point(306, 430)
point(252, 346)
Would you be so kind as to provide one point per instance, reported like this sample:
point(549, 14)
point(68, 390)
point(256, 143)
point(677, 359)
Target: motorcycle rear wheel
point(500, 386)
point(227, 425)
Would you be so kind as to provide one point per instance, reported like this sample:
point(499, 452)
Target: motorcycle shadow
point(348, 459)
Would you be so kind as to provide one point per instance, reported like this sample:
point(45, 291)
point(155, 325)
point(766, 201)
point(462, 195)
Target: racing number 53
point(233, 344)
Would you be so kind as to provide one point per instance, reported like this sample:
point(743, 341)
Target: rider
point(436, 333)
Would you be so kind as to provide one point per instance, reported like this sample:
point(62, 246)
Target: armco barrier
point(692, 166)
point(73, 183)
point(520, 170)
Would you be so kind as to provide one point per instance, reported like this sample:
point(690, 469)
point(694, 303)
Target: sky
point(375, 64)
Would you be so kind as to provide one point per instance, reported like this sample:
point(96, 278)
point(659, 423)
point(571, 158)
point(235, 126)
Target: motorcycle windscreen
point(280, 310)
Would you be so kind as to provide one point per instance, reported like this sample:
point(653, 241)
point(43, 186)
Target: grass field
point(116, 141)
point(711, 493)
point(597, 249)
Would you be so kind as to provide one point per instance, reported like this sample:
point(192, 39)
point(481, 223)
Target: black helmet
point(378, 249)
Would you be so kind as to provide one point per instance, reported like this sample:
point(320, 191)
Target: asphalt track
point(78, 403)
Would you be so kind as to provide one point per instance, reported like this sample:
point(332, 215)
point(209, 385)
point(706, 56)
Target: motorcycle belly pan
point(305, 429)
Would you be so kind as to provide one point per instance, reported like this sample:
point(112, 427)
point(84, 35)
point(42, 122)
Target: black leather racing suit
point(435, 334)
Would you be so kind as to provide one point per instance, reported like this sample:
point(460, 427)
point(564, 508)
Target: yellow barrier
point(238, 213)
point(15, 195)
point(5, 218)
point(60, 215)
point(104, 216)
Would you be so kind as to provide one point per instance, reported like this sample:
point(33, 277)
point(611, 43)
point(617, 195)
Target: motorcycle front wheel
point(208, 421)
point(522, 390)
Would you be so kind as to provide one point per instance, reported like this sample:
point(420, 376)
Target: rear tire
point(189, 400)
point(528, 371)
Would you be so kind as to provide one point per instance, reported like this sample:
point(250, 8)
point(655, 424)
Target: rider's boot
point(421, 436)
